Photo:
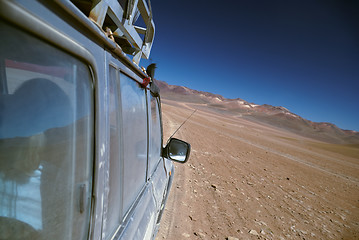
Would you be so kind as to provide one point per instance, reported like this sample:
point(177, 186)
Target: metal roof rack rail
point(118, 19)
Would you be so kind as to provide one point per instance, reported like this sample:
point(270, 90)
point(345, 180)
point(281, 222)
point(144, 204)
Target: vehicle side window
point(155, 135)
point(113, 211)
point(134, 126)
point(46, 140)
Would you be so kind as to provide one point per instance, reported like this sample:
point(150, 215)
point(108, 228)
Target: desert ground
point(247, 180)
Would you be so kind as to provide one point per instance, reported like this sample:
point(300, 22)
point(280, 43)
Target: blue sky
point(303, 55)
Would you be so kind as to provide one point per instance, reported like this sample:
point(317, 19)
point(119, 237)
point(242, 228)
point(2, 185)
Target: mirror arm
point(164, 152)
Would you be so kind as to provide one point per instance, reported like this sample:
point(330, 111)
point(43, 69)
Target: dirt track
point(251, 181)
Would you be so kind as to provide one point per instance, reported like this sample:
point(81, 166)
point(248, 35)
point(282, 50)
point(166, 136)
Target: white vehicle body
point(81, 154)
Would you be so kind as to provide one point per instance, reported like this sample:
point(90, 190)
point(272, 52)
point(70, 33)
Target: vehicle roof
point(116, 23)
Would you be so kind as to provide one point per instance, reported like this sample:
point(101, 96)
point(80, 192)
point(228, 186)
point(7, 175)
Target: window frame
point(157, 100)
point(106, 204)
point(140, 192)
point(126, 214)
point(16, 16)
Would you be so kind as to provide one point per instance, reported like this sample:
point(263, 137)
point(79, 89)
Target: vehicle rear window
point(46, 140)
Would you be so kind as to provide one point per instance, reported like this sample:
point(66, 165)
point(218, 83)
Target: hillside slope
point(272, 115)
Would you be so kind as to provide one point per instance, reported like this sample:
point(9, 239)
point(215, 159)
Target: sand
point(246, 180)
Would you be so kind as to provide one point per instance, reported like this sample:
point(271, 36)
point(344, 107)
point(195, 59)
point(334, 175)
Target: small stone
point(262, 223)
point(304, 232)
point(186, 235)
point(214, 186)
point(232, 238)
point(253, 232)
point(200, 234)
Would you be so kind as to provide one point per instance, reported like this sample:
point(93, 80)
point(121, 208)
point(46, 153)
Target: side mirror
point(177, 150)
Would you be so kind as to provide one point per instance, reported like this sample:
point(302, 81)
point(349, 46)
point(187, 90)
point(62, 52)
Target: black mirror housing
point(177, 150)
point(151, 70)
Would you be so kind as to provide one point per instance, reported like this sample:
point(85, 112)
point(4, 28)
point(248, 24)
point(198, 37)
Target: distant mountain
point(268, 114)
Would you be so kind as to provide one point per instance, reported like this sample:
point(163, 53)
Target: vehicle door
point(128, 201)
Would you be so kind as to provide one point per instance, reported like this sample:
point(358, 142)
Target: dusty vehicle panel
point(80, 134)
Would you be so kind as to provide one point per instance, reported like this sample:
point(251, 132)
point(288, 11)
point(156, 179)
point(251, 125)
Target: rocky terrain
point(276, 116)
point(249, 179)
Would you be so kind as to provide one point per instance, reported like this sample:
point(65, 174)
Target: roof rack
point(119, 20)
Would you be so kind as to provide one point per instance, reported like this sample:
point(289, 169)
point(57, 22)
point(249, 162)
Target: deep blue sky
point(303, 55)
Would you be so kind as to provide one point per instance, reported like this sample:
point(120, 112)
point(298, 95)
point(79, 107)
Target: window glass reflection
point(134, 125)
point(46, 138)
point(155, 135)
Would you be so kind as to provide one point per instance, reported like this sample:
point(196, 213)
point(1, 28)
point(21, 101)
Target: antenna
point(183, 123)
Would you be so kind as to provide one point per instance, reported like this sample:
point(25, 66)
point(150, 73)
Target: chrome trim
point(126, 219)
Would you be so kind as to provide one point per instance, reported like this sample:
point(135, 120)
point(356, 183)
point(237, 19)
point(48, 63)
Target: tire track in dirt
point(167, 227)
point(234, 123)
point(234, 184)
point(286, 155)
point(297, 199)
point(289, 202)
point(168, 215)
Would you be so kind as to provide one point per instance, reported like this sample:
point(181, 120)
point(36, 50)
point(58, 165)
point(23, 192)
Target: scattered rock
point(250, 184)
point(239, 231)
point(199, 234)
point(232, 238)
point(289, 211)
point(186, 235)
point(304, 232)
point(262, 223)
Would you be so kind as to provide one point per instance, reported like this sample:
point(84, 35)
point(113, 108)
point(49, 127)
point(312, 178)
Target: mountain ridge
point(276, 116)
